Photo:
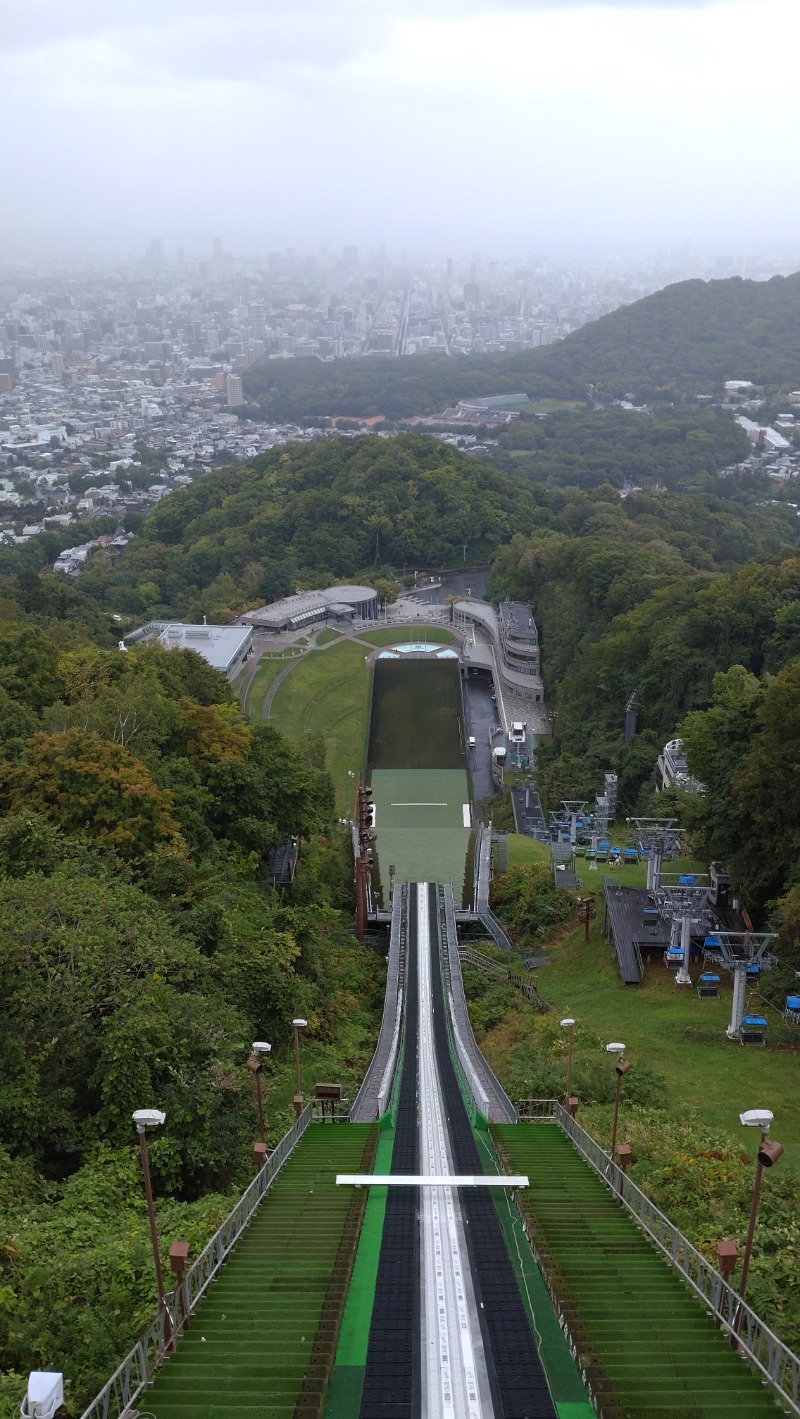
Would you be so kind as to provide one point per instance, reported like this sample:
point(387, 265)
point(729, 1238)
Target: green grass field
point(523, 851)
point(669, 1026)
point(401, 635)
point(269, 668)
point(326, 637)
point(328, 693)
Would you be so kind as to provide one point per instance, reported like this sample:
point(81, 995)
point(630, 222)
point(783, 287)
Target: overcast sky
point(512, 125)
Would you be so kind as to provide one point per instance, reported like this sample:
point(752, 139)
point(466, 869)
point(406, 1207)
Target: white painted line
point(418, 805)
point(466, 815)
point(431, 1180)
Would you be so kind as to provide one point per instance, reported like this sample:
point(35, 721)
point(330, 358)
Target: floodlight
point(769, 1152)
point(616, 1047)
point(300, 1024)
point(566, 1023)
point(756, 1118)
point(148, 1118)
point(622, 1065)
point(261, 1047)
point(45, 1394)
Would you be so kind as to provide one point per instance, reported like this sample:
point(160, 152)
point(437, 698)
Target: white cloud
point(388, 117)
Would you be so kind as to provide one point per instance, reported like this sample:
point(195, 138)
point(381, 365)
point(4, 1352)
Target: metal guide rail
point(450, 1336)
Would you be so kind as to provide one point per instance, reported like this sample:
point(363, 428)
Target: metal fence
point(128, 1381)
point(779, 1366)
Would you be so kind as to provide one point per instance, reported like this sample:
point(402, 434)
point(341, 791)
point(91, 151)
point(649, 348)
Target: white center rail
point(428, 1180)
point(454, 1372)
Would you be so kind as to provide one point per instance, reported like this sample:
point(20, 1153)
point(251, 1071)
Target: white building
point(226, 648)
point(233, 390)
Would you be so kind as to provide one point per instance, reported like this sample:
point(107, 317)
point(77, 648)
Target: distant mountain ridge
point(693, 335)
point(688, 338)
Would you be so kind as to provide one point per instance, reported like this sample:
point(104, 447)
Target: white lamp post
point(144, 1119)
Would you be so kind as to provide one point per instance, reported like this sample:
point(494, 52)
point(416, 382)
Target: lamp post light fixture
point(255, 1062)
point(298, 1025)
point(144, 1119)
point(569, 1024)
point(622, 1066)
point(769, 1151)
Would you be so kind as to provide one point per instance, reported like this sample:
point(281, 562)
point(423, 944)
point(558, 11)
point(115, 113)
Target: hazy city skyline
point(513, 126)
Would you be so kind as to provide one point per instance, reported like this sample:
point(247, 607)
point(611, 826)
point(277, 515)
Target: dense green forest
point(661, 596)
point(311, 515)
point(585, 448)
point(684, 340)
point(141, 952)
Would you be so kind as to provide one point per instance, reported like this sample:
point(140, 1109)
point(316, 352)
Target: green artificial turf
point(343, 1399)
point(253, 1335)
point(623, 1302)
point(419, 820)
point(416, 716)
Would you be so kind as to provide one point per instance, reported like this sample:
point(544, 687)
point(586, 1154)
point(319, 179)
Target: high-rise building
point(233, 391)
point(257, 319)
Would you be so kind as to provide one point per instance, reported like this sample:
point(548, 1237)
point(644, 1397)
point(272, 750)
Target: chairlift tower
point(684, 904)
point(656, 838)
point(573, 808)
point(738, 951)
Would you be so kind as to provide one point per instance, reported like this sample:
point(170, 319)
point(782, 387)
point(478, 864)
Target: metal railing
point(485, 963)
point(127, 1382)
point(472, 1085)
point(779, 1366)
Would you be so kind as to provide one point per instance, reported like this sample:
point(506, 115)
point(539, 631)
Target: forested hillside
point(302, 515)
point(141, 952)
point(687, 339)
point(584, 448)
point(656, 594)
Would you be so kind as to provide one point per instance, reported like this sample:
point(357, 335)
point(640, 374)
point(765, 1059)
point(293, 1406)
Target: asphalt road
point(463, 584)
point(481, 714)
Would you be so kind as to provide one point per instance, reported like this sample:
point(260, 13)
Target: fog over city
point(513, 125)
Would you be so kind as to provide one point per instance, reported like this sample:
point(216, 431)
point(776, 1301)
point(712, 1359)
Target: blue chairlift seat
point(712, 943)
point(753, 1030)
point(630, 854)
point(615, 852)
point(604, 843)
point(708, 986)
point(753, 972)
point(792, 1010)
point(686, 879)
point(673, 957)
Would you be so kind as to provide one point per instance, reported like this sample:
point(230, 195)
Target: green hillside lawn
point(668, 1027)
point(269, 668)
point(327, 692)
